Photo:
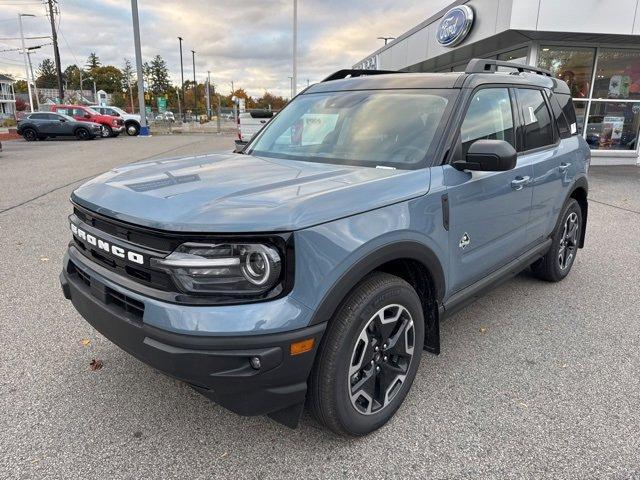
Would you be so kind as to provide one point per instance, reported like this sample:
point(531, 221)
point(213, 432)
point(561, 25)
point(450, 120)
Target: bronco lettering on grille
point(114, 250)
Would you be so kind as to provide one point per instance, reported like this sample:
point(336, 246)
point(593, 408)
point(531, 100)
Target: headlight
point(235, 269)
point(115, 122)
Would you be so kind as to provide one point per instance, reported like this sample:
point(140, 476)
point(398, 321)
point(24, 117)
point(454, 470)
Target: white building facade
point(7, 98)
point(594, 45)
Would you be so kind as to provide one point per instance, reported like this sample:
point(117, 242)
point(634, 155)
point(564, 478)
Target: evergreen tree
point(47, 77)
point(93, 61)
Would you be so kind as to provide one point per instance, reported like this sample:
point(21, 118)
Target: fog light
point(255, 362)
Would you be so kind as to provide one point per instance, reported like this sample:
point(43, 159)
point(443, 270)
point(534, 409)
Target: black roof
point(478, 72)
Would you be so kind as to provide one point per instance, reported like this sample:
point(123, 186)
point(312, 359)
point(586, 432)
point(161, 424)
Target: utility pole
point(35, 86)
point(56, 51)
point(24, 54)
point(195, 85)
point(144, 128)
point(182, 78)
point(294, 79)
point(208, 94)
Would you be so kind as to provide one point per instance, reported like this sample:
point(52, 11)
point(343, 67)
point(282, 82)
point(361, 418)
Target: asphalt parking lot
point(536, 380)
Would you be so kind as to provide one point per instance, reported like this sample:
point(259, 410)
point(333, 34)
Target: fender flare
point(409, 250)
point(581, 182)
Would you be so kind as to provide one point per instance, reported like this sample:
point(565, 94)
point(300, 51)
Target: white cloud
point(247, 41)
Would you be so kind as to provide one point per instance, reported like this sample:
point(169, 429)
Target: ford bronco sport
point(315, 266)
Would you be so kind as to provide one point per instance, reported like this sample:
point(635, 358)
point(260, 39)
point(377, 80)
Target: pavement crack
point(615, 206)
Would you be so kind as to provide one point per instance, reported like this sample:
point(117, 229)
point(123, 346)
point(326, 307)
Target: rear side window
point(64, 111)
point(564, 113)
point(488, 117)
point(536, 119)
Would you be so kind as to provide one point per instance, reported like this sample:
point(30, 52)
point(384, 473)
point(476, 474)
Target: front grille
point(134, 308)
point(131, 306)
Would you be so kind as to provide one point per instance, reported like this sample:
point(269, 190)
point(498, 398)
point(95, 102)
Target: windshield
point(393, 128)
point(92, 111)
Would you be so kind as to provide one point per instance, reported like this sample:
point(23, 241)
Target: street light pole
point(182, 84)
point(35, 86)
point(56, 50)
point(294, 79)
point(144, 128)
point(208, 94)
point(195, 85)
point(24, 54)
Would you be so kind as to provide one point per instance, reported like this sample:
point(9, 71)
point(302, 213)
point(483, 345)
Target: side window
point(38, 116)
point(78, 112)
point(536, 119)
point(64, 111)
point(488, 117)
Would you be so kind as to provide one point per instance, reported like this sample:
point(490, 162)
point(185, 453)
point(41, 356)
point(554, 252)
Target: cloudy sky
point(247, 41)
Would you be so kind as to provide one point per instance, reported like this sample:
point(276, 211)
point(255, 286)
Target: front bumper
point(118, 129)
point(219, 367)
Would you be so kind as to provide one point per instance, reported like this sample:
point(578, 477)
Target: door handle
point(563, 167)
point(519, 182)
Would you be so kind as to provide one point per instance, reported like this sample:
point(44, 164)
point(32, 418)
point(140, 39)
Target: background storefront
point(594, 48)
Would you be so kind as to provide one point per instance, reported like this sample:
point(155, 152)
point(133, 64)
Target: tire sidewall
point(353, 421)
point(30, 135)
point(106, 131)
point(136, 128)
point(82, 134)
point(570, 207)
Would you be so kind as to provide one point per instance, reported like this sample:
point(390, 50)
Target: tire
point(106, 131)
point(343, 366)
point(132, 128)
point(557, 263)
point(30, 135)
point(83, 134)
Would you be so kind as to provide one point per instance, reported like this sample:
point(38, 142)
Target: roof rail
point(482, 65)
point(355, 73)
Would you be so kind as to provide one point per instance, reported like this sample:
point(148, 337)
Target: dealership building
point(594, 45)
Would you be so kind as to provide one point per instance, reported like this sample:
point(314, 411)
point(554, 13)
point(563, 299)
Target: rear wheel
point(132, 129)
point(557, 263)
point(106, 131)
point(30, 135)
point(369, 356)
point(82, 134)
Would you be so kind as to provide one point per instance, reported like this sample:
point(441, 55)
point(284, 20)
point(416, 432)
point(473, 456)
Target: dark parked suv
point(42, 125)
point(316, 265)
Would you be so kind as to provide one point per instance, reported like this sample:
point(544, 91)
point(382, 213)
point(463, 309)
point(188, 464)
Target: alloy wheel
point(104, 131)
point(569, 241)
point(381, 359)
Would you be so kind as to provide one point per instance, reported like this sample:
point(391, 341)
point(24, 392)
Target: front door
point(489, 211)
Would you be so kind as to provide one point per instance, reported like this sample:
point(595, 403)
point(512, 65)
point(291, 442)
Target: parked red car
point(111, 126)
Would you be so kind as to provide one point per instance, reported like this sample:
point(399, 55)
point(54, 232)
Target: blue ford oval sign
point(455, 26)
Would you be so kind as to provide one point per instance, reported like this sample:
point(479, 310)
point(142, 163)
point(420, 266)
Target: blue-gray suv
point(315, 265)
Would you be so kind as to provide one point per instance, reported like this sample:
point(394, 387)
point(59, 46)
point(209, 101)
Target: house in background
point(7, 97)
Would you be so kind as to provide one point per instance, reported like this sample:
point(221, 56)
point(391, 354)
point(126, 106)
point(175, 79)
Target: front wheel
point(83, 134)
point(369, 356)
point(106, 131)
point(557, 263)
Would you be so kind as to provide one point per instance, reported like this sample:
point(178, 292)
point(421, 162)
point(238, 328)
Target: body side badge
point(465, 240)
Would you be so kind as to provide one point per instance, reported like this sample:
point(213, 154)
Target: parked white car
point(131, 120)
point(166, 117)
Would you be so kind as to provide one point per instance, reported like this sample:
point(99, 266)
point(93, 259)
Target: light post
point(294, 78)
point(35, 86)
point(195, 85)
point(24, 54)
point(386, 39)
point(182, 84)
point(144, 128)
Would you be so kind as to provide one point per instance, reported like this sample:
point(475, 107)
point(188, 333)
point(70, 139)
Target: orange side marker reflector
point(302, 346)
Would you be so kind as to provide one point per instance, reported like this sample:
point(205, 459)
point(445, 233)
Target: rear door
point(549, 157)
point(489, 211)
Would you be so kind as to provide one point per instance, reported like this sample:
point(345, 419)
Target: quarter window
point(488, 117)
point(536, 120)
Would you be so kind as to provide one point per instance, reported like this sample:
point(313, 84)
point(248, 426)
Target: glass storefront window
point(613, 125)
point(516, 56)
point(581, 111)
point(574, 65)
point(618, 74)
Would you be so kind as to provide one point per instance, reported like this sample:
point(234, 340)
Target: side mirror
point(86, 115)
point(488, 156)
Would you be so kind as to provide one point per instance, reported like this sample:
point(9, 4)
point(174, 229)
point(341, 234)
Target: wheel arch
point(412, 261)
point(579, 192)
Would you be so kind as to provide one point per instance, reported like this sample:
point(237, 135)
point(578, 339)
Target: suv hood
point(242, 193)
